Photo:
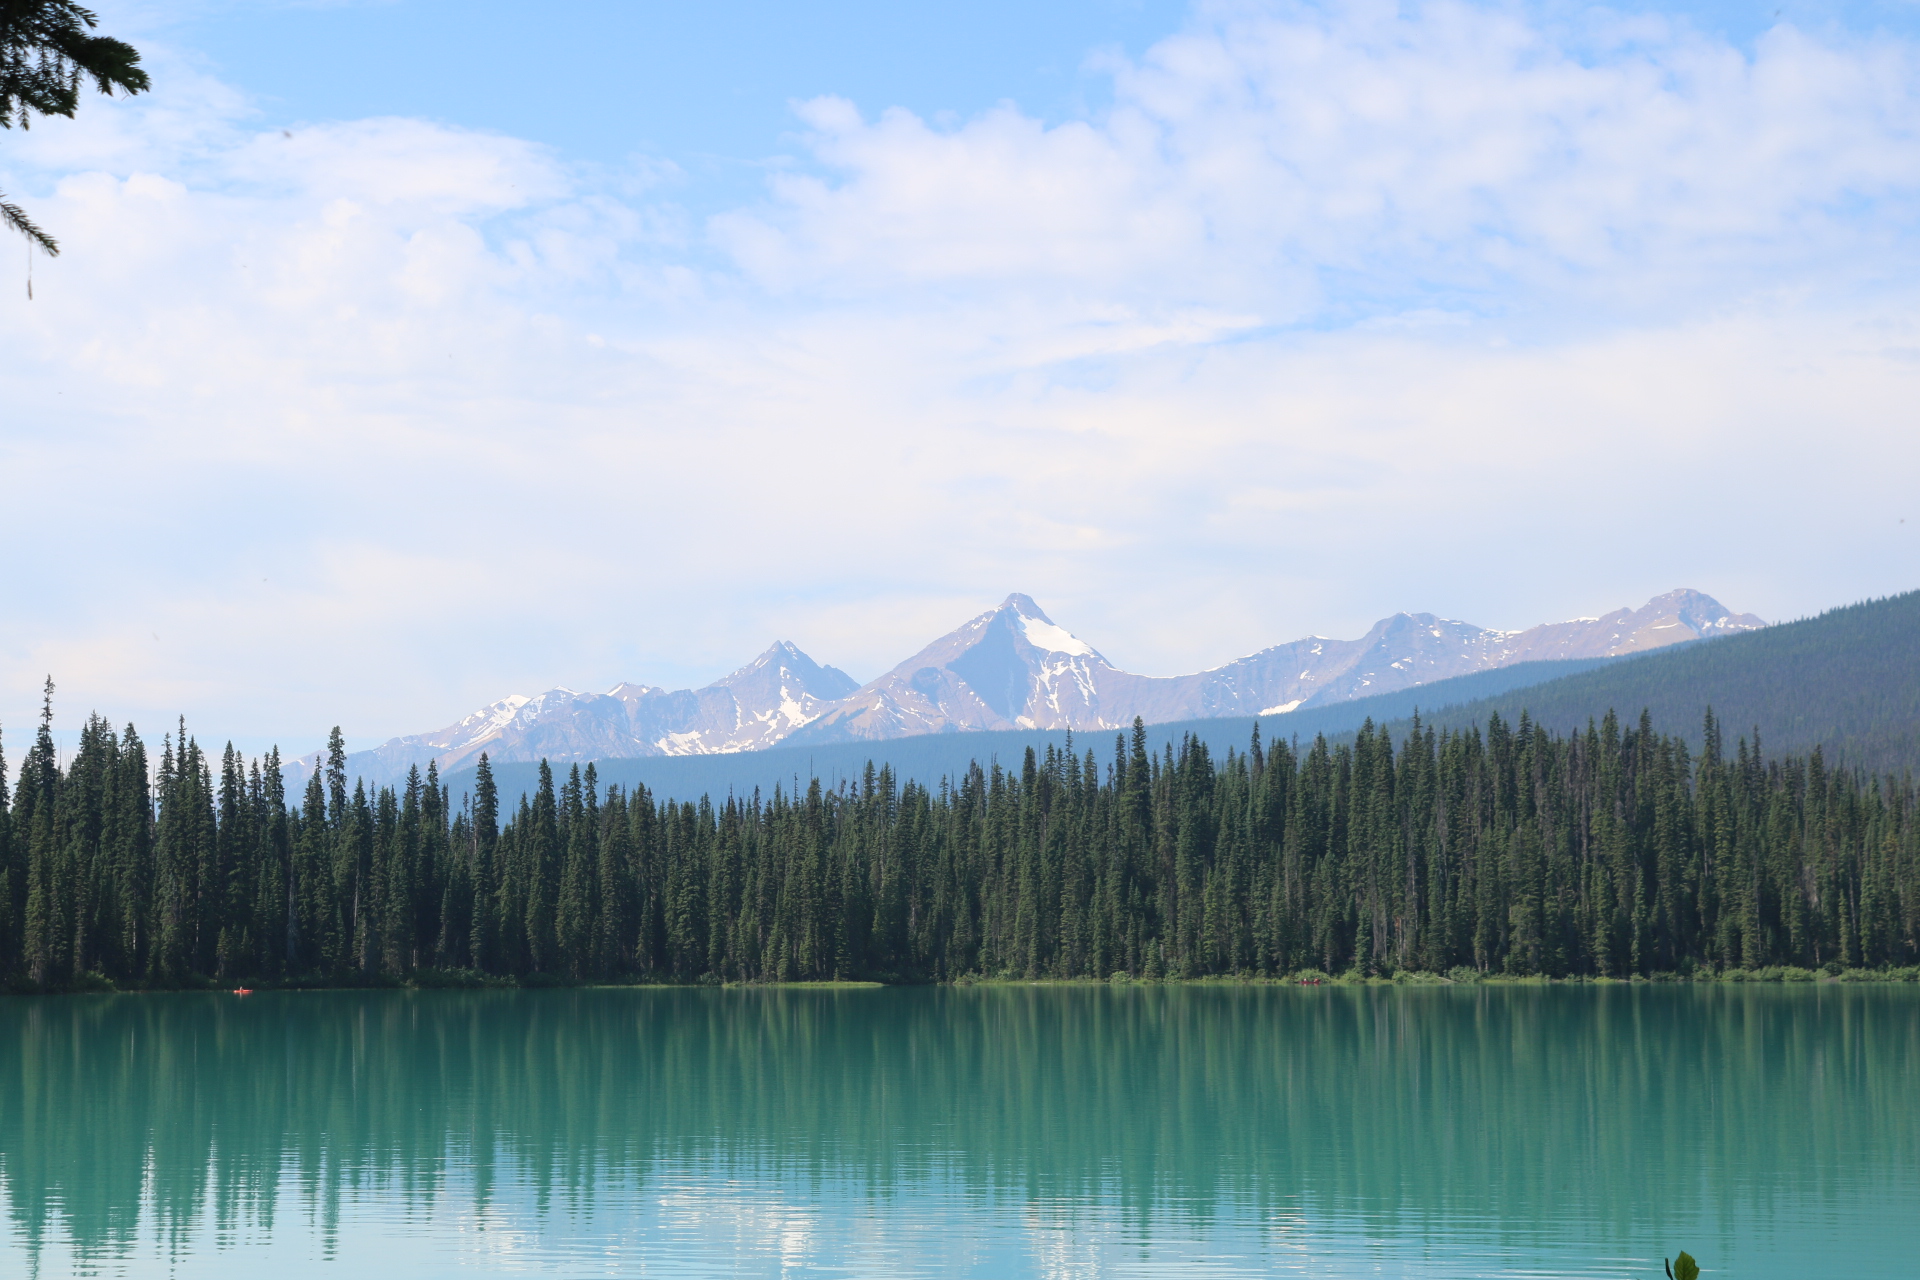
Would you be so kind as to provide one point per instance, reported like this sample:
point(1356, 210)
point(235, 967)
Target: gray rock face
point(1411, 649)
point(756, 706)
point(1009, 668)
point(1013, 668)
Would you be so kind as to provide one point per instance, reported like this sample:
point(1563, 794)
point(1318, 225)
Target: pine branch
point(47, 50)
point(14, 218)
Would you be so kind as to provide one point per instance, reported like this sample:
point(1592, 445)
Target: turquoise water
point(984, 1131)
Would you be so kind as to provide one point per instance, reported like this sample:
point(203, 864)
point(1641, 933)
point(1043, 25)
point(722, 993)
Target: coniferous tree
point(35, 798)
point(540, 860)
point(13, 886)
point(484, 836)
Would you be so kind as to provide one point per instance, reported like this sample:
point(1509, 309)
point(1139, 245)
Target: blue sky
point(712, 84)
point(402, 357)
point(705, 84)
point(604, 79)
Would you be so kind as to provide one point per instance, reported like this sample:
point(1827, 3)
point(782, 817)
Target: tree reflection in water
point(1602, 1122)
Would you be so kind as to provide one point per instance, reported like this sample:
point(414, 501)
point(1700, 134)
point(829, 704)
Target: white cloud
point(1367, 154)
point(1337, 311)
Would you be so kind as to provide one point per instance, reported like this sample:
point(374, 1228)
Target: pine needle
point(13, 218)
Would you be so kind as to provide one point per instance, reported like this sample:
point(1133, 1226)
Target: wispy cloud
point(1318, 163)
point(1337, 310)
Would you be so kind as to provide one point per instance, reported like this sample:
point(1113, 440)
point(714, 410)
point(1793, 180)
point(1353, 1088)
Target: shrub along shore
point(473, 980)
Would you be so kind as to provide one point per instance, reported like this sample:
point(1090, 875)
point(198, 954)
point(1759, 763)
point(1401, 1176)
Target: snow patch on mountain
point(1044, 635)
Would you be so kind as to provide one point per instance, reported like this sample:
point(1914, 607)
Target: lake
point(1056, 1131)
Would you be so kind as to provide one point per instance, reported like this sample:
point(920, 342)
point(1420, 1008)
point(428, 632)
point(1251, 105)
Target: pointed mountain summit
point(754, 707)
point(1673, 618)
point(1009, 668)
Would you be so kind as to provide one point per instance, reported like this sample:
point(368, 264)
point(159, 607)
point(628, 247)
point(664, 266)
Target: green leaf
point(1685, 1268)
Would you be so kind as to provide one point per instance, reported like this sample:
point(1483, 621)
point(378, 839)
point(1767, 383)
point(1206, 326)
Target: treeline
point(1614, 851)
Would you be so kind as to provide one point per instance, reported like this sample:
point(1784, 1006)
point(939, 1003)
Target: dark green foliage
point(47, 53)
point(1683, 1267)
point(1614, 851)
point(48, 50)
point(1847, 682)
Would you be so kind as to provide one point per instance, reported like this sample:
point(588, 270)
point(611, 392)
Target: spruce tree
point(13, 885)
point(485, 838)
point(540, 856)
point(35, 798)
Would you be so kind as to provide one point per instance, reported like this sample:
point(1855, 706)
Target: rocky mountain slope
point(754, 707)
point(1013, 667)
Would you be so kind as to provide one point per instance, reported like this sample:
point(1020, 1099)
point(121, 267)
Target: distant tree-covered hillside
point(1847, 682)
point(1616, 850)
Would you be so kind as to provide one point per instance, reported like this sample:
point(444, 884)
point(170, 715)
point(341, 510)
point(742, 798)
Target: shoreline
point(1309, 979)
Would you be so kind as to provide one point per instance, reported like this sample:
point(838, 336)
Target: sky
point(400, 356)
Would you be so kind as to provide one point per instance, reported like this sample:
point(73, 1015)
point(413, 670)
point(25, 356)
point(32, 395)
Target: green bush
point(1683, 1267)
point(1782, 973)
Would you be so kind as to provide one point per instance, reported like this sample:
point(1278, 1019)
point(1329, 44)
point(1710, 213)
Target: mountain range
point(1012, 667)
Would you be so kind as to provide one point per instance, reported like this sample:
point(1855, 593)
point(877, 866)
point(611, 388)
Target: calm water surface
point(1030, 1131)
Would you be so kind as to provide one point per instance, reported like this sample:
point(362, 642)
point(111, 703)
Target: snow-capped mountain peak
point(750, 708)
point(1014, 667)
point(490, 719)
point(627, 691)
point(1011, 667)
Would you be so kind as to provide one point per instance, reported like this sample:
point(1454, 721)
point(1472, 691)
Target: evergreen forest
point(1502, 849)
point(1847, 681)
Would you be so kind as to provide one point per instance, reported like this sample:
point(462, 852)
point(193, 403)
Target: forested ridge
point(1846, 681)
point(1615, 851)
